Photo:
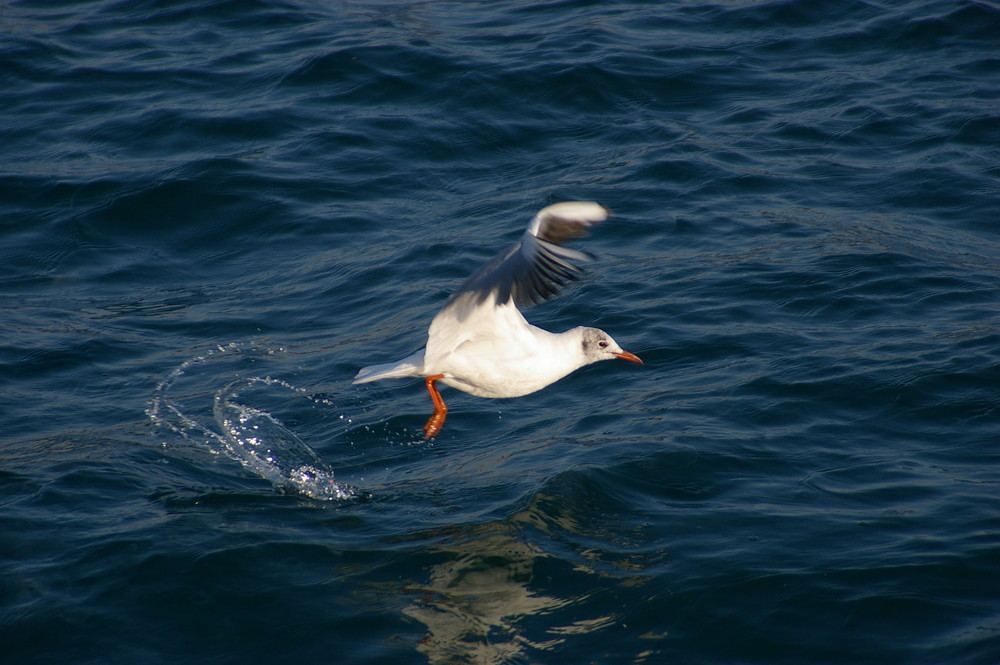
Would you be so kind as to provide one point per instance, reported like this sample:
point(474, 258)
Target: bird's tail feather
point(410, 366)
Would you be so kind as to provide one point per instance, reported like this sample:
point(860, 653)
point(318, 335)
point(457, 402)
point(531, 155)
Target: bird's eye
point(602, 344)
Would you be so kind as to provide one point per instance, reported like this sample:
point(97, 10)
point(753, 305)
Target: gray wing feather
point(537, 266)
point(530, 272)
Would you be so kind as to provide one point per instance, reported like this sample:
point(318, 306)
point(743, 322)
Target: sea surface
point(214, 212)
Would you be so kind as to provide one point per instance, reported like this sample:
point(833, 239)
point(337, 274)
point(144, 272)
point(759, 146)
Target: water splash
point(252, 436)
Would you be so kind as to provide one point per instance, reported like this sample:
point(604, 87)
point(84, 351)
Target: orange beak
point(629, 356)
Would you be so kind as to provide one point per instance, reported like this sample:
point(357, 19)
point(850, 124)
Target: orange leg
point(436, 421)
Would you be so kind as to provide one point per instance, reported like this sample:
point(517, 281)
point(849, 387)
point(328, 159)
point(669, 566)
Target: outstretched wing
point(537, 266)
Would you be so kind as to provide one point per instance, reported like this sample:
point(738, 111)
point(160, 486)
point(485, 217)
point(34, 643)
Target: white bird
point(480, 343)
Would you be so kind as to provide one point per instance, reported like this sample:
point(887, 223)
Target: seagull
point(481, 343)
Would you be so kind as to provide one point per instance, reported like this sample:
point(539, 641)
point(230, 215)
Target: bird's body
point(481, 344)
point(498, 364)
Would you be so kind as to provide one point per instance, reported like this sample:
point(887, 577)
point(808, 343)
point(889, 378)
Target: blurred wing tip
point(560, 222)
point(581, 211)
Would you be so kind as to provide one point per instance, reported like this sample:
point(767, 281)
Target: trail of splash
point(267, 447)
point(253, 437)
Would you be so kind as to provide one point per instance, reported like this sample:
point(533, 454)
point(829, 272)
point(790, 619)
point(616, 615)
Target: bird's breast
point(486, 375)
point(496, 387)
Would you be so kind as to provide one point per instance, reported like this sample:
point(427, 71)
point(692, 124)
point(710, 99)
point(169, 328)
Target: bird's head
point(599, 345)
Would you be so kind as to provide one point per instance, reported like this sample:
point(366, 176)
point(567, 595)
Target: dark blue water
point(213, 213)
